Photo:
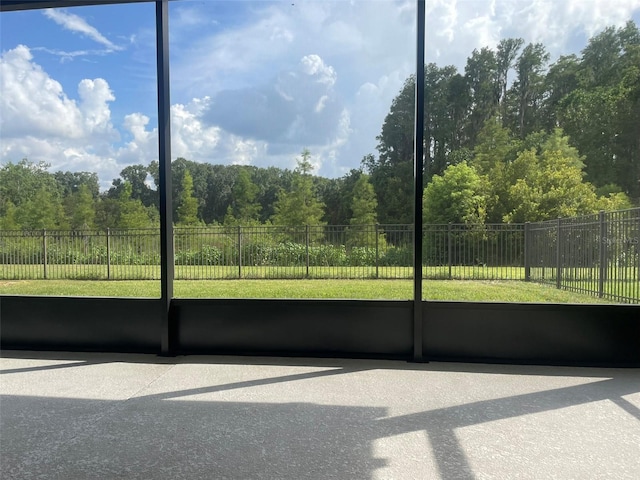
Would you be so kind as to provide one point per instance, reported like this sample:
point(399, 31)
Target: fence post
point(44, 252)
point(108, 254)
point(173, 248)
point(527, 260)
point(558, 257)
point(449, 248)
point(239, 251)
point(602, 254)
point(377, 249)
point(306, 241)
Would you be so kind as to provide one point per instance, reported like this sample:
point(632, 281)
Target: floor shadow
point(166, 436)
point(250, 383)
point(57, 438)
point(440, 424)
point(44, 367)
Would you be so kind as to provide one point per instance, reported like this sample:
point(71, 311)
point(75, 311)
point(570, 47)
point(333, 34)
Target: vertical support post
point(377, 250)
point(602, 254)
point(418, 163)
point(44, 252)
point(108, 254)
point(173, 242)
point(558, 256)
point(449, 248)
point(527, 261)
point(239, 251)
point(164, 161)
point(306, 242)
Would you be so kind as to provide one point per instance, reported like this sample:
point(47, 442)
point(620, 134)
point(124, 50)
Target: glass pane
point(283, 186)
point(531, 116)
point(77, 201)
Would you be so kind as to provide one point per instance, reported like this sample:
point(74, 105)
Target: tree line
point(554, 140)
point(32, 198)
point(508, 117)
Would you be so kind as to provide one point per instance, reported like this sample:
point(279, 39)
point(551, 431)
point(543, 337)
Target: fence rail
point(595, 254)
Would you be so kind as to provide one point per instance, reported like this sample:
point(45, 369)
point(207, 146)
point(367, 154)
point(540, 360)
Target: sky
point(252, 82)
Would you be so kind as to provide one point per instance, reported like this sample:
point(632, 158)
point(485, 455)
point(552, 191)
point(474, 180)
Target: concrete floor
point(98, 416)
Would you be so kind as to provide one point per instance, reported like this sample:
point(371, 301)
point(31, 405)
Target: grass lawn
point(222, 272)
point(470, 290)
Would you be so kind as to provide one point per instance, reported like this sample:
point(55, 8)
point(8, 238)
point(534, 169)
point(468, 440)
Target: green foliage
point(20, 181)
point(548, 184)
point(481, 71)
point(392, 172)
point(136, 177)
point(187, 204)
point(528, 89)
point(9, 220)
point(244, 209)
point(71, 182)
point(363, 207)
point(300, 205)
point(80, 208)
point(42, 211)
point(132, 213)
point(458, 196)
point(602, 112)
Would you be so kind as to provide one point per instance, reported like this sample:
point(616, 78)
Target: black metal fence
point(596, 254)
point(363, 251)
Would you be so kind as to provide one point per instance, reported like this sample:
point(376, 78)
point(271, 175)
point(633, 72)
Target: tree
point(132, 213)
point(505, 56)
point(456, 196)
point(19, 182)
point(392, 172)
point(363, 207)
point(550, 184)
point(81, 208)
point(42, 211)
point(446, 104)
point(560, 81)
point(337, 195)
point(136, 176)
point(481, 72)
point(299, 206)
point(270, 182)
point(244, 209)
point(603, 113)
point(70, 182)
point(495, 150)
point(107, 213)
point(187, 204)
point(9, 221)
point(528, 88)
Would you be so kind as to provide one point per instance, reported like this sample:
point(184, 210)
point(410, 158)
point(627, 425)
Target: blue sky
point(252, 82)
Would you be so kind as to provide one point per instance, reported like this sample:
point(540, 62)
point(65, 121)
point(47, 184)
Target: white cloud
point(39, 121)
point(277, 78)
point(74, 23)
point(67, 56)
point(190, 138)
point(313, 65)
point(287, 76)
point(31, 100)
point(455, 28)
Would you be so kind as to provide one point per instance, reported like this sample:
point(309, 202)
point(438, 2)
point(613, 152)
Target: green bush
point(397, 257)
